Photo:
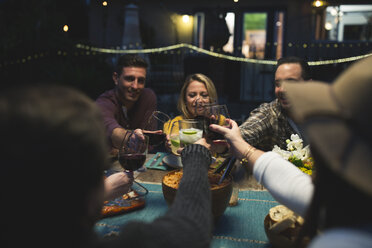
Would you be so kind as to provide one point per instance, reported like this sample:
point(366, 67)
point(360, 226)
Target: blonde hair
point(211, 89)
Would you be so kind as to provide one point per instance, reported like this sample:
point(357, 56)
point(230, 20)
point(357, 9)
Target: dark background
point(34, 48)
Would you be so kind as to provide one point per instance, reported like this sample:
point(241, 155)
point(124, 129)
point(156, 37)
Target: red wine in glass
point(132, 154)
point(214, 114)
point(156, 139)
point(133, 150)
point(209, 133)
point(206, 131)
point(132, 162)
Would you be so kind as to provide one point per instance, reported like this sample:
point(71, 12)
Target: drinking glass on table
point(190, 130)
point(155, 128)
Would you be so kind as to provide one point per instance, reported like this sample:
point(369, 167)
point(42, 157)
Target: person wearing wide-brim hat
point(336, 118)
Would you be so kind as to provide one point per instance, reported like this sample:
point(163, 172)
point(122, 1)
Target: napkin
point(158, 165)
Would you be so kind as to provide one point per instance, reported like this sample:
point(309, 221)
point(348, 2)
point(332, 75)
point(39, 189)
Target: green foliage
point(296, 161)
point(255, 21)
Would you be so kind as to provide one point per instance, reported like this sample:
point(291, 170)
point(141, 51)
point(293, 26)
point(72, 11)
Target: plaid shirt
point(267, 126)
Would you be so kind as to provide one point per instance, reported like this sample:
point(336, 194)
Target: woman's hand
point(238, 146)
point(117, 184)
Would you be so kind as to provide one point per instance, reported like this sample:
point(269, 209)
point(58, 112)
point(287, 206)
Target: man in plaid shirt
point(269, 124)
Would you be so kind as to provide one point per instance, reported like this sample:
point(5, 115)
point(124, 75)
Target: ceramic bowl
point(220, 193)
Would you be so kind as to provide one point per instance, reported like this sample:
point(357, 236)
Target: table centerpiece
point(297, 154)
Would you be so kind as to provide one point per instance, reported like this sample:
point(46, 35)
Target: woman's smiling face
point(196, 91)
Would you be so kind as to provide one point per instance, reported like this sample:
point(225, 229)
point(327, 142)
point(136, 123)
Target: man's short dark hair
point(130, 60)
point(306, 73)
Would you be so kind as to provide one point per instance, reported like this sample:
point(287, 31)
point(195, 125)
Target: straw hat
point(337, 118)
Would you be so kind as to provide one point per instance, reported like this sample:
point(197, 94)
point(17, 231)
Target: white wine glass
point(155, 128)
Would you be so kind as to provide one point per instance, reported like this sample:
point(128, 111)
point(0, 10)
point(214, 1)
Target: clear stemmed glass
point(132, 154)
point(133, 151)
point(155, 128)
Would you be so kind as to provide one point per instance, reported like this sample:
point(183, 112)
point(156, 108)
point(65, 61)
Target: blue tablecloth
point(158, 164)
point(240, 226)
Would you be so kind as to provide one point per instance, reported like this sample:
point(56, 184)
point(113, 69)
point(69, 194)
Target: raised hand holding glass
point(155, 128)
point(215, 114)
point(133, 151)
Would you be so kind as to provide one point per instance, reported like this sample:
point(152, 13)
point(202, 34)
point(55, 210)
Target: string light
point(191, 49)
point(338, 61)
point(173, 47)
point(218, 55)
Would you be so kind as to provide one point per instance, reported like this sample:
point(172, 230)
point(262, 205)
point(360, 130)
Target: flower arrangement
point(297, 154)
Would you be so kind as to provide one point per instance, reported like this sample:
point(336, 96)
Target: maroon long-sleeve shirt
point(114, 116)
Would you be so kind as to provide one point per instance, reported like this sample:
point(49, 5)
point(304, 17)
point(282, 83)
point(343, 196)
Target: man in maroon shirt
point(129, 105)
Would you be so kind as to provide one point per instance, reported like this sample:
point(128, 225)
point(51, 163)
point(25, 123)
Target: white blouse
point(285, 182)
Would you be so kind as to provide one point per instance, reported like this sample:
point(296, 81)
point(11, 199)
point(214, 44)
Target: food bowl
point(277, 240)
point(221, 194)
point(283, 233)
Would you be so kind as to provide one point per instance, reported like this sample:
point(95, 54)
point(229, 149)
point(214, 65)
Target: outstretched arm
point(188, 222)
point(284, 181)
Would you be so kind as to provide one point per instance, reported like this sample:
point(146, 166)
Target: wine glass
point(215, 114)
point(190, 130)
point(199, 108)
point(155, 128)
point(133, 151)
point(132, 155)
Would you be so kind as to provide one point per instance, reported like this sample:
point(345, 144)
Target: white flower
point(283, 153)
point(294, 149)
point(295, 137)
point(295, 143)
point(306, 153)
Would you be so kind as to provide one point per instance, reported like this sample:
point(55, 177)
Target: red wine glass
point(132, 154)
point(215, 114)
point(133, 151)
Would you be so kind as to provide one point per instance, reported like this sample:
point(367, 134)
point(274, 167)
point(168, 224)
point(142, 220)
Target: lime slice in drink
point(175, 143)
point(189, 132)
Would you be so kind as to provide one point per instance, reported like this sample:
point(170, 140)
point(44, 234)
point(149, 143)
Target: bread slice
point(279, 213)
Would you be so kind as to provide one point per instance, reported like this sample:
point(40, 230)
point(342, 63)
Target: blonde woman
point(197, 88)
